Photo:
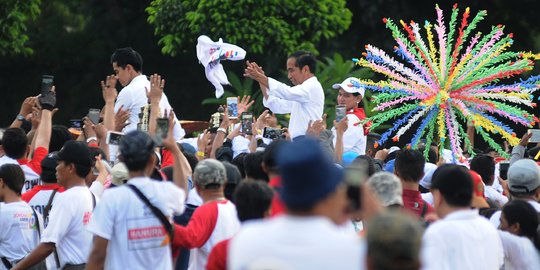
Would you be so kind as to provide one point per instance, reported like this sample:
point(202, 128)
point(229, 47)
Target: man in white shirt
point(523, 184)
point(461, 239)
point(484, 165)
point(66, 231)
point(306, 237)
point(304, 101)
point(127, 233)
point(127, 66)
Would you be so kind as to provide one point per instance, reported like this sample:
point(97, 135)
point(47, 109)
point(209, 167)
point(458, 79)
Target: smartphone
point(340, 112)
point(113, 137)
point(247, 121)
point(76, 123)
point(503, 169)
point(232, 106)
point(162, 128)
point(355, 176)
point(272, 133)
point(93, 114)
point(535, 135)
point(46, 84)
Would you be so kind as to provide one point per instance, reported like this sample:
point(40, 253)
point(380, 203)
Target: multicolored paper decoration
point(450, 80)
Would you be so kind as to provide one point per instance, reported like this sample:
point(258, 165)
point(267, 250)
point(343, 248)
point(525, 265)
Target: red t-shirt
point(217, 259)
point(277, 207)
point(35, 163)
point(412, 201)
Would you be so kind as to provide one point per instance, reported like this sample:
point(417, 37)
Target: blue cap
point(308, 175)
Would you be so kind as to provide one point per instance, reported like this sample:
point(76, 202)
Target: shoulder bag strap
point(6, 263)
point(162, 218)
point(37, 221)
point(45, 216)
point(48, 207)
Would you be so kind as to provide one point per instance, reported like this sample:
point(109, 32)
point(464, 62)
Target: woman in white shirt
point(350, 95)
point(521, 243)
point(19, 224)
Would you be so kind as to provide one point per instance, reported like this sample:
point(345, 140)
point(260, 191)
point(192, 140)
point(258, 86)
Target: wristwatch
point(20, 117)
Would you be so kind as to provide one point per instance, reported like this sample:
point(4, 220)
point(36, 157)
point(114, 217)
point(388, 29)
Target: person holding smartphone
point(350, 96)
point(127, 66)
point(304, 101)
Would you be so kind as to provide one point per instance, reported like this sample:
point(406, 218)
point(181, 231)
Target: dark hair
point(517, 211)
point(192, 160)
point(14, 143)
point(269, 156)
point(455, 184)
point(304, 58)
point(95, 151)
point(13, 177)
point(136, 148)
point(233, 179)
point(371, 139)
point(252, 199)
point(432, 153)
point(409, 164)
point(80, 170)
point(253, 166)
point(484, 165)
point(369, 163)
point(127, 56)
point(238, 161)
point(59, 136)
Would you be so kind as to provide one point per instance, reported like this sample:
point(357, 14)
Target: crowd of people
point(313, 197)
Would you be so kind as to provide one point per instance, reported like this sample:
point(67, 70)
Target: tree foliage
point(274, 26)
point(14, 15)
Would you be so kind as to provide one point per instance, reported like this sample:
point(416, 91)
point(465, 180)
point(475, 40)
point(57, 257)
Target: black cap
point(48, 167)
point(75, 152)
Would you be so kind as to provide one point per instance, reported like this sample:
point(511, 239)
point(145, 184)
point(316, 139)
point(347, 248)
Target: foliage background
point(73, 40)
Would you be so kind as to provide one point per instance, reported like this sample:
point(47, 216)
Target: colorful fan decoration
point(450, 80)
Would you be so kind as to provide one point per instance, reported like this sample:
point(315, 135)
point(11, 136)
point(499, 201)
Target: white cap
point(351, 85)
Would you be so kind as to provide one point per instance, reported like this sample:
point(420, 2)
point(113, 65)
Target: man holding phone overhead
point(127, 66)
point(304, 101)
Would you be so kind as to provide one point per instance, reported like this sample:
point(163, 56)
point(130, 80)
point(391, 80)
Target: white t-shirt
point(305, 102)
point(519, 252)
point(133, 97)
point(495, 196)
point(461, 240)
point(68, 220)
point(136, 236)
point(288, 242)
point(31, 177)
point(354, 139)
point(18, 231)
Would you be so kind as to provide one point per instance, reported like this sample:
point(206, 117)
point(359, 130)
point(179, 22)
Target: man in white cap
point(350, 95)
point(523, 184)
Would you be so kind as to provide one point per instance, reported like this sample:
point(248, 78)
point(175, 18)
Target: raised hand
point(108, 89)
point(156, 88)
point(244, 104)
point(120, 119)
point(341, 126)
point(27, 105)
point(261, 120)
point(169, 142)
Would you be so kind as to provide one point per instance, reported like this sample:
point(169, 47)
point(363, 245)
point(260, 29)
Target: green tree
point(14, 16)
point(259, 26)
